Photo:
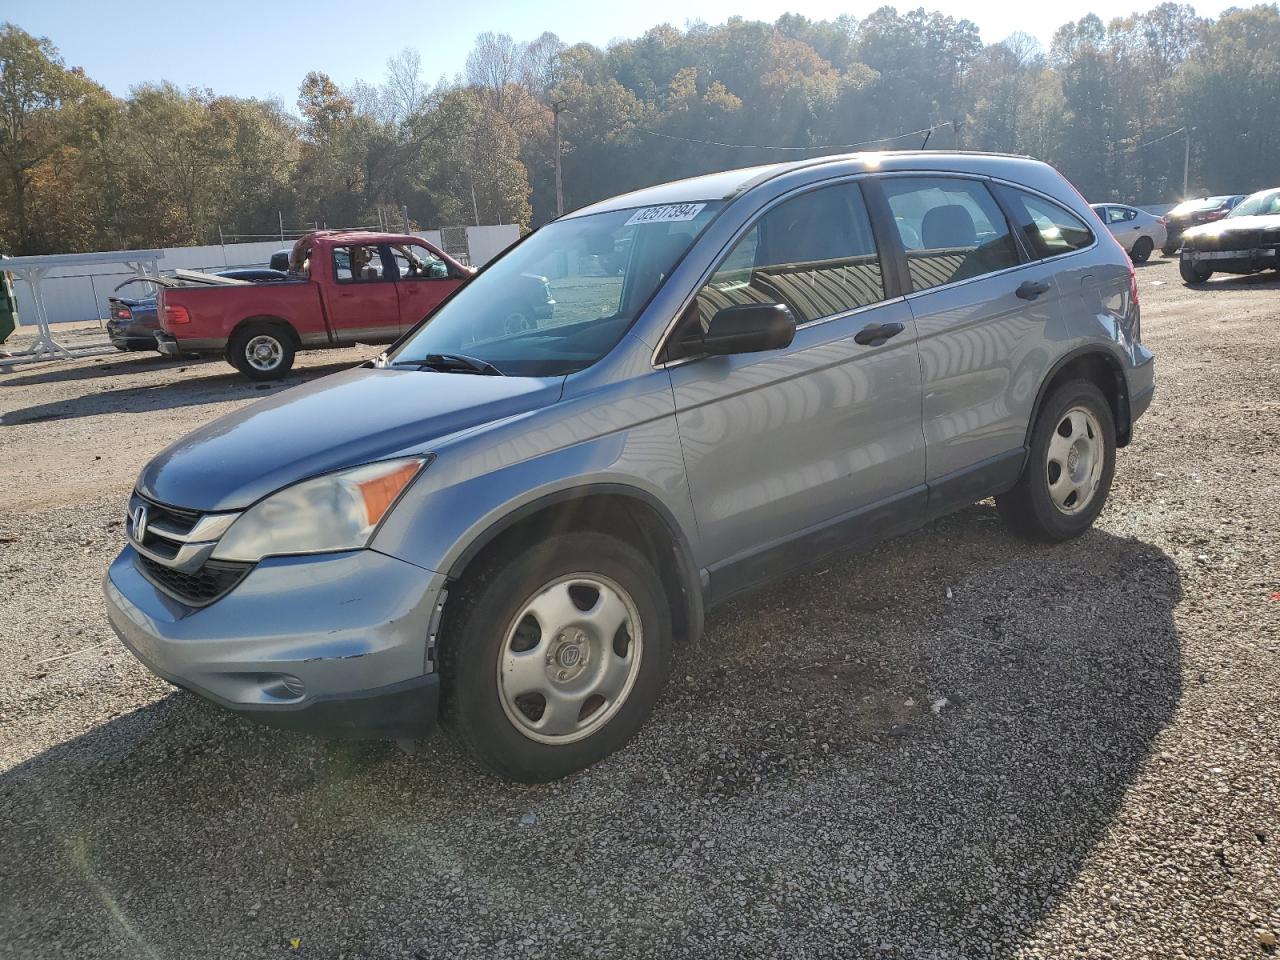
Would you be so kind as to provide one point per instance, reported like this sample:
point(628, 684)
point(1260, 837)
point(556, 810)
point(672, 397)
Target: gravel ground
point(955, 746)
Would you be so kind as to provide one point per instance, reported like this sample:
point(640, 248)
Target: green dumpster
point(8, 307)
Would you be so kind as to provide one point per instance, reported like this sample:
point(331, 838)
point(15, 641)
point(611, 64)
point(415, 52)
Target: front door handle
point(875, 334)
point(1031, 289)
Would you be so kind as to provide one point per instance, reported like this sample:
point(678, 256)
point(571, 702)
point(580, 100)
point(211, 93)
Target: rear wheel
point(1068, 473)
point(261, 351)
point(554, 658)
point(1142, 250)
point(1193, 272)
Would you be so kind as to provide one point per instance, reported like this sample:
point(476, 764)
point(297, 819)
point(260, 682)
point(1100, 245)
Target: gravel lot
point(956, 746)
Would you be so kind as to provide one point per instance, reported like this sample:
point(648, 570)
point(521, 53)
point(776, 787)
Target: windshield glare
point(562, 299)
point(1263, 204)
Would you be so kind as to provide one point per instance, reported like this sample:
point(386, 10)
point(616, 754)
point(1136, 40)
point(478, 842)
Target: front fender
point(621, 437)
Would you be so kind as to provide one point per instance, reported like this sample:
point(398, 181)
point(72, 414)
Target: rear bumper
point(336, 645)
point(171, 346)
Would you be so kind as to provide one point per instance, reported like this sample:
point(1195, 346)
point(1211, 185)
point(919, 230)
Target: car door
point(362, 303)
point(1125, 225)
point(790, 453)
point(982, 309)
point(422, 279)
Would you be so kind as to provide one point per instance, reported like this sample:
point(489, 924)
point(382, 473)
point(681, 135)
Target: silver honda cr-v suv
point(510, 519)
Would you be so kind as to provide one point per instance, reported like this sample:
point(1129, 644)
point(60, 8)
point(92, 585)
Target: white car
point(1139, 232)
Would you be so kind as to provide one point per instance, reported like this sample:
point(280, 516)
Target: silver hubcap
point(1074, 463)
point(570, 658)
point(263, 352)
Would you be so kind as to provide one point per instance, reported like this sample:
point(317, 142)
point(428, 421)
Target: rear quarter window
point(1048, 228)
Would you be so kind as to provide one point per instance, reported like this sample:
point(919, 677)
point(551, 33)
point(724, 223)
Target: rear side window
point(951, 229)
point(814, 252)
point(1048, 228)
point(1120, 214)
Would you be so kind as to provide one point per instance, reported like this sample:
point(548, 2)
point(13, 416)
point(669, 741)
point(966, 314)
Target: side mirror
point(748, 328)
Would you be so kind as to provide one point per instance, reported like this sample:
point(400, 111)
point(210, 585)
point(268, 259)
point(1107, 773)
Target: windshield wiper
point(452, 363)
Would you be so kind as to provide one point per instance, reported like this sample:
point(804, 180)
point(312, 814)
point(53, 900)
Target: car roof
point(363, 236)
point(728, 184)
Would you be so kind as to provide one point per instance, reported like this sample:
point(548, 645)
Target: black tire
point(1168, 251)
point(474, 638)
point(1029, 509)
point(1142, 250)
point(1191, 273)
point(255, 338)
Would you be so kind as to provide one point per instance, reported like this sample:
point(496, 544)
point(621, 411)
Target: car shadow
point(207, 383)
point(94, 368)
point(1228, 283)
point(909, 753)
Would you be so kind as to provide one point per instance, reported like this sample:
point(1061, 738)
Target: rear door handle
point(1031, 289)
point(875, 334)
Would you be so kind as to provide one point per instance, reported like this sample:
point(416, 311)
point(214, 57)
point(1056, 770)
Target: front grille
point(213, 580)
point(174, 551)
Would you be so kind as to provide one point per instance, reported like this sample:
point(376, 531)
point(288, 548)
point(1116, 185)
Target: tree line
point(1113, 105)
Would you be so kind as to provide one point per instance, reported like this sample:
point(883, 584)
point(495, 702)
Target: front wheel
point(261, 351)
point(1068, 472)
point(1193, 272)
point(554, 658)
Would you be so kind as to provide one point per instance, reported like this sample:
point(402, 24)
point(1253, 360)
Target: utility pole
point(556, 106)
point(1186, 163)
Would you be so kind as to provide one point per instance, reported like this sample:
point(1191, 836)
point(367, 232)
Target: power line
point(1172, 133)
point(821, 146)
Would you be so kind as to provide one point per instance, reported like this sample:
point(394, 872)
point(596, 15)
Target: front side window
point(1048, 228)
point(815, 253)
point(951, 229)
point(560, 300)
point(417, 263)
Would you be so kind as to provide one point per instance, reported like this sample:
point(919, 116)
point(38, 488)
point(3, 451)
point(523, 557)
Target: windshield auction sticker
point(670, 213)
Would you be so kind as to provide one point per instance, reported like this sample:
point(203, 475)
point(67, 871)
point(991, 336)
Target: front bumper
point(334, 644)
point(1246, 260)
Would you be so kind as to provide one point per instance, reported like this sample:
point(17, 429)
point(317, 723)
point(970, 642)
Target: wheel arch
point(270, 320)
point(620, 510)
point(1101, 368)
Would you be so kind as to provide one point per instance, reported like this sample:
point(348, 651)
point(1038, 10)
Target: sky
point(264, 49)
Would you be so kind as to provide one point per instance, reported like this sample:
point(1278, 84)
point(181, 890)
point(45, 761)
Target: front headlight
point(338, 511)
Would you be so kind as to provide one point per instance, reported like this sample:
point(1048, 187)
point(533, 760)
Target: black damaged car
point(1247, 240)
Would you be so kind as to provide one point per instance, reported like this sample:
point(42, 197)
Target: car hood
point(1234, 224)
point(339, 421)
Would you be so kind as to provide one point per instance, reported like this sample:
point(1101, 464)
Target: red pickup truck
point(343, 288)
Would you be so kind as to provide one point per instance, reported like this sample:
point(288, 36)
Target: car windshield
point(559, 301)
point(1264, 204)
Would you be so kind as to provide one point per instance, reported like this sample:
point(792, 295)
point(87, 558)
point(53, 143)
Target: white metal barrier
point(75, 289)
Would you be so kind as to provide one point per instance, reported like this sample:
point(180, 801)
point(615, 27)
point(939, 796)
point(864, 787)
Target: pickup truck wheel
point(1067, 477)
point(554, 658)
point(261, 351)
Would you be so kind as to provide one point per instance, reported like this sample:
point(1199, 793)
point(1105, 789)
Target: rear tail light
point(1163, 221)
point(175, 313)
point(1133, 284)
point(1215, 215)
point(121, 312)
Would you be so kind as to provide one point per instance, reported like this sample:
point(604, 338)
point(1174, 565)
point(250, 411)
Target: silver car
point(512, 527)
point(1139, 232)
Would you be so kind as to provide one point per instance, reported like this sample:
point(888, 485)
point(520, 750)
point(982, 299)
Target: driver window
point(418, 263)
